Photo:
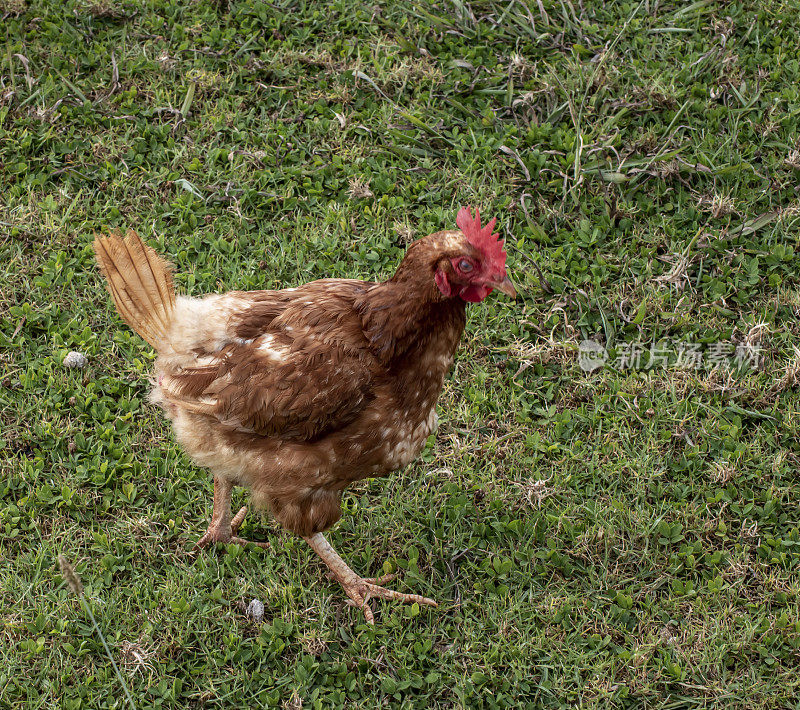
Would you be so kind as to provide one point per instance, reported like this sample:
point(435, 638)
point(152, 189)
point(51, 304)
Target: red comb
point(482, 238)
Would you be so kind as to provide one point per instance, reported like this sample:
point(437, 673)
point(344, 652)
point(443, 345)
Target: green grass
point(621, 538)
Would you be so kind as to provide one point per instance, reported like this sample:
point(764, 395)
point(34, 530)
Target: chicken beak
point(505, 286)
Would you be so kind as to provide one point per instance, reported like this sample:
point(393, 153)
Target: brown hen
point(297, 393)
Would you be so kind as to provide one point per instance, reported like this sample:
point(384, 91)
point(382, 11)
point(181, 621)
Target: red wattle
point(474, 294)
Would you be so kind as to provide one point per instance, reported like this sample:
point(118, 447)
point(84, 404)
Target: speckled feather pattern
point(297, 393)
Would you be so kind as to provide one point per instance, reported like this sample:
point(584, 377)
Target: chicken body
point(268, 395)
point(297, 393)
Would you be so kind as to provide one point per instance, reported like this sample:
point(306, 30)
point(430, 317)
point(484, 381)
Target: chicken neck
point(399, 317)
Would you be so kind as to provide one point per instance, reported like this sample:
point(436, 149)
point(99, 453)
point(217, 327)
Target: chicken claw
point(236, 523)
point(222, 528)
point(360, 589)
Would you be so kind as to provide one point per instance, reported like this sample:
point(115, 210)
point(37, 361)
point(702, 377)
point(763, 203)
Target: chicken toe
point(218, 534)
point(236, 523)
point(222, 529)
point(360, 589)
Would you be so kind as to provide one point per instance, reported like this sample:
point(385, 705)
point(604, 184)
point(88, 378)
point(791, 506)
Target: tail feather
point(140, 283)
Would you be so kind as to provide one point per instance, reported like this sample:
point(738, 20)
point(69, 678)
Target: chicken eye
point(464, 266)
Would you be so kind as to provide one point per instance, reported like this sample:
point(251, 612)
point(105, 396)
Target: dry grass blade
point(76, 587)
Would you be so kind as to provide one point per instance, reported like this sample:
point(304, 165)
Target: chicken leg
point(223, 528)
point(360, 589)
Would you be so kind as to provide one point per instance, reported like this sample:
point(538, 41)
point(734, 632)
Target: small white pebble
point(75, 359)
point(255, 610)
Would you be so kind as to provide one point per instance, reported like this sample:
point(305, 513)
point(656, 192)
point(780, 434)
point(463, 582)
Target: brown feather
point(114, 264)
point(140, 283)
point(296, 393)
